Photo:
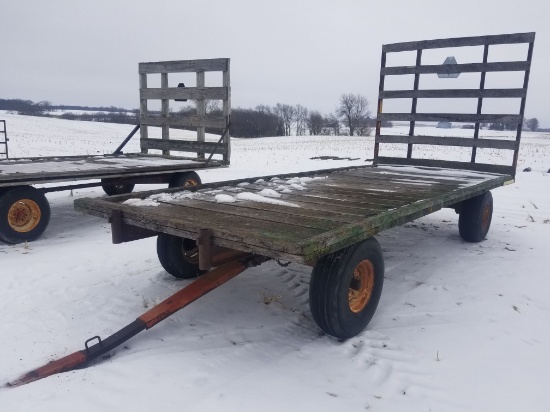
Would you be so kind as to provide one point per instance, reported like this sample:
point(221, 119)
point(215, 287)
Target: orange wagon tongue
point(171, 305)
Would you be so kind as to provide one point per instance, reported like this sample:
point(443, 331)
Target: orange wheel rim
point(191, 255)
point(361, 286)
point(191, 182)
point(24, 215)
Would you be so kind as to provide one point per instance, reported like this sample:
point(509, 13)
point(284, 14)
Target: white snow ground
point(460, 327)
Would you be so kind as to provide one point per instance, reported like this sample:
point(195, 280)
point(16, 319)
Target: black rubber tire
point(113, 189)
point(475, 217)
point(37, 221)
point(184, 179)
point(330, 285)
point(171, 251)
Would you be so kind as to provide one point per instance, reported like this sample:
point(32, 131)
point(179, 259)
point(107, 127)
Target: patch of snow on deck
point(270, 193)
point(259, 198)
point(140, 202)
point(221, 198)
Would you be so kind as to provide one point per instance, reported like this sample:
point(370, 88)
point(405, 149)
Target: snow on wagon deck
point(298, 217)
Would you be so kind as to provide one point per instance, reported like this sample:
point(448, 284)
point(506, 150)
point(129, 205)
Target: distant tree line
point(351, 117)
point(95, 114)
point(531, 124)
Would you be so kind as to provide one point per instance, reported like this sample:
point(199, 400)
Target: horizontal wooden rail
point(457, 68)
point(480, 167)
point(460, 42)
point(453, 93)
point(452, 117)
point(449, 141)
point(218, 122)
point(193, 93)
point(183, 146)
point(184, 66)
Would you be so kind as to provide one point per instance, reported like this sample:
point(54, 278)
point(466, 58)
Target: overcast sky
point(308, 52)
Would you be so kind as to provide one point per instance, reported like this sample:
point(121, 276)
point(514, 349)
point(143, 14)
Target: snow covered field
point(460, 327)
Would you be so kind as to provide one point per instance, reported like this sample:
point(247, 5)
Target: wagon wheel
point(184, 179)
point(475, 217)
point(345, 288)
point(24, 214)
point(119, 188)
point(178, 256)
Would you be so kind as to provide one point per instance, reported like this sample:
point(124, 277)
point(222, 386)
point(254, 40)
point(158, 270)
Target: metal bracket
point(90, 340)
point(122, 232)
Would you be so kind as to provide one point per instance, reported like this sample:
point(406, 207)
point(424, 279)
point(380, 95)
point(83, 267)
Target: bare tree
point(315, 123)
point(287, 116)
point(331, 125)
point(263, 108)
point(301, 120)
point(353, 110)
point(533, 124)
point(212, 106)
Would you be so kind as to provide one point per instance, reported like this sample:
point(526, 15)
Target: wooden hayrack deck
point(314, 214)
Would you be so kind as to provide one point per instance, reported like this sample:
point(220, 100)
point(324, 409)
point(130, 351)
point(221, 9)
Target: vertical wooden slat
point(414, 101)
point(227, 112)
point(201, 111)
point(480, 102)
point(522, 105)
point(165, 111)
point(380, 103)
point(143, 110)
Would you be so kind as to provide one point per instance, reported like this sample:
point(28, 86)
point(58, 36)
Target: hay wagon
point(327, 219)
point(24, 209)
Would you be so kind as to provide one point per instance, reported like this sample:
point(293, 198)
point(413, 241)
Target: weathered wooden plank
point(276, 217)
point(226, 79)
point(452, 117)
point(329, 242)
point(303, 200)
point(281, 237)
point(104, 212)
point(418, 174)
point(143, 110)
point(457, 68)
point(370, 185)
point(426, 172)
point(190, 93)
point(331, 215)
point(183, 146)
point(179, 66)
point(449, 141)
point(333, 196)
point(373, 193)
point(404, 190)
point(453, 93)
point(165, 113)
point(481, 167)
point(480, 101)
point(213, 121)
point(201, 111)
point(522, 104)
point(460, 42)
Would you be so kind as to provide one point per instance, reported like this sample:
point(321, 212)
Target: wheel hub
point(190, 182)
point(24, 215)
point(361, 286)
